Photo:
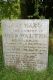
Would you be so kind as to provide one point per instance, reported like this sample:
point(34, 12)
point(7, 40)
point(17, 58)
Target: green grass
point(13, 74)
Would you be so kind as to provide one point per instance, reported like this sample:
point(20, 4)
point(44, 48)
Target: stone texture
point(25, 43)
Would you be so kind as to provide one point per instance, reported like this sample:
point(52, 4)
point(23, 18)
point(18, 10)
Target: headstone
point(25, 43)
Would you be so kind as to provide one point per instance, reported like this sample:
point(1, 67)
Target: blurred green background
point(27, 9)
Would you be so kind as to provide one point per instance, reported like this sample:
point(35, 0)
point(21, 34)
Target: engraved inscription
point(25, 43)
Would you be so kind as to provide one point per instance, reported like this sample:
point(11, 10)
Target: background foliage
point(12, 9)
point(30, 9)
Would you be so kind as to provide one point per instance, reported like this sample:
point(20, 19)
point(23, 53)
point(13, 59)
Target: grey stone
point(25, 43)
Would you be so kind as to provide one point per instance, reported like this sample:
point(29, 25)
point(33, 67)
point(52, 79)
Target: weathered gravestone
point(25, 43)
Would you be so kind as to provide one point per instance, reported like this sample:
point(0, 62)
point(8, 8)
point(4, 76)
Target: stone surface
point(25, 43)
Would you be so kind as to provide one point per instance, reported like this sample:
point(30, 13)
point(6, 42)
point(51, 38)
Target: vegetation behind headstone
point(27, 9)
